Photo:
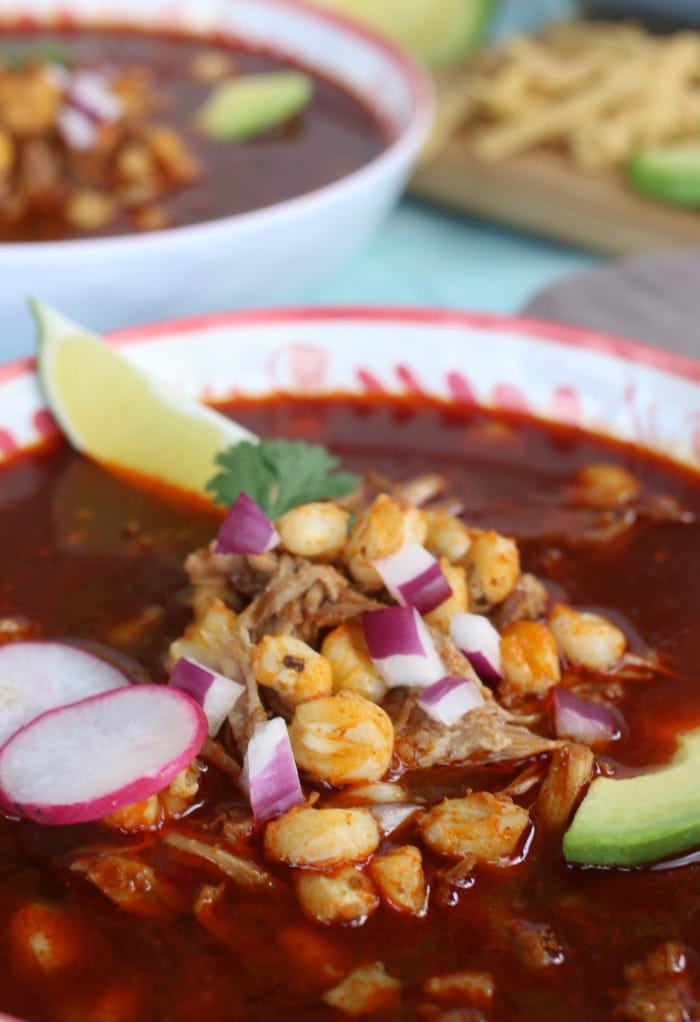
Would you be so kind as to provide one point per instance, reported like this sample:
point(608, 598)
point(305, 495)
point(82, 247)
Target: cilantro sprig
point(48, 52)
point(279, 475)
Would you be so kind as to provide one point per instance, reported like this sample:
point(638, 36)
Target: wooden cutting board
point(542, 193)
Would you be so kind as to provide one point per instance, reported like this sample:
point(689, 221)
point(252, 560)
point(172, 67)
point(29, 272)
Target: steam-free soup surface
point(89, 557)
point(145, 163)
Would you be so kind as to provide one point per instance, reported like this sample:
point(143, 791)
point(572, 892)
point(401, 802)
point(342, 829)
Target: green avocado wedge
point(247, 106)
point(637, 820)
point(669, 173)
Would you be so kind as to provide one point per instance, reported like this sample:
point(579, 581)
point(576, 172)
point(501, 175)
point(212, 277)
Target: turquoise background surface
point(427, 256)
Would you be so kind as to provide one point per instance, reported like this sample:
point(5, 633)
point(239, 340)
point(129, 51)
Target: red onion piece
point(582, 719)
point(83, 761)
point(92, 93)
point(246, 529)
point(476, 637)
point(400, 645)
point(77, 130)
point(88, 103)
point(450, 698)
point(215, 693)
point(414, 578)
point(270, 772)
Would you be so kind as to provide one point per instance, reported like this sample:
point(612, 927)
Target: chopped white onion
point(246, 529)
point(270, 771)
point(392, 815)
point(414, 578)
point(399, 644)
point(582, 719)
point(215, 693)
point(476, 637)
point(450, 698)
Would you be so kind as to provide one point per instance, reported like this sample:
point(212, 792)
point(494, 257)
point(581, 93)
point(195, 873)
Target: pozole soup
point(404, 861)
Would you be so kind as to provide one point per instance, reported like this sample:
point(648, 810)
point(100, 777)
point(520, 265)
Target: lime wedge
point(669, 173)
point(240, 108)
point(439, 32)
point(116, 414)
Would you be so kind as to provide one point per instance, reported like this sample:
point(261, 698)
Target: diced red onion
point(400, 645)
point(214, 692)
point(450, 698)
point(92, 93)
point(414, 578)
point(88, 103)
point(77, 130)
point(476, 637)
point(270, 771)
point(246, 529)
point(582, 719)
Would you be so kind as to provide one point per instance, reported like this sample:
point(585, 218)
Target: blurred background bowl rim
point(399, 149)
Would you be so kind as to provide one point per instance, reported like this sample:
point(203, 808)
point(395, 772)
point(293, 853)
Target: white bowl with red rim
point(251, 258)
point(614, 387)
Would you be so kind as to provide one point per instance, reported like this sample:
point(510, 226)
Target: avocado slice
point(641, 819)
point(669, 173)
point(241, 108)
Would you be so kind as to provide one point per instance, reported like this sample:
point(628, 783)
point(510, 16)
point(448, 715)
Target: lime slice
point(440, 32)
point(116, 414)
point(244, 107)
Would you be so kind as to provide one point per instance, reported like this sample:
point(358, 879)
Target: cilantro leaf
point(48, 52)
point(279, 474)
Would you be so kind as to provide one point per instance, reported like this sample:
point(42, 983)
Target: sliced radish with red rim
point(86, 760)
point(38, 676)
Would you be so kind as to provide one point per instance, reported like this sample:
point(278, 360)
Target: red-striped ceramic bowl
point(615, 387)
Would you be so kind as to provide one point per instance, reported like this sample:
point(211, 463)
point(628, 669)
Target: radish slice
point(84, 761)
point(269, 771)
point(475, 636)
point(246, 529)
point(583, 719)
point(399, 644)
point(215, 693)
point(414, 578)
point(450, 698)
point(39, 676)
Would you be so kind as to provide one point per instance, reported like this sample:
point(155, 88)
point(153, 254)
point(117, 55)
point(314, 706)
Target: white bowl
point(614, 387)
point(248, 259)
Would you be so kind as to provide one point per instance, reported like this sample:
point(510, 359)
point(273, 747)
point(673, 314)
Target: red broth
point(87, 556)
point(333, 136)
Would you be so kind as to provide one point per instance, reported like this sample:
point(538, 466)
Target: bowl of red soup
point(401, 722)
point(211, 153)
